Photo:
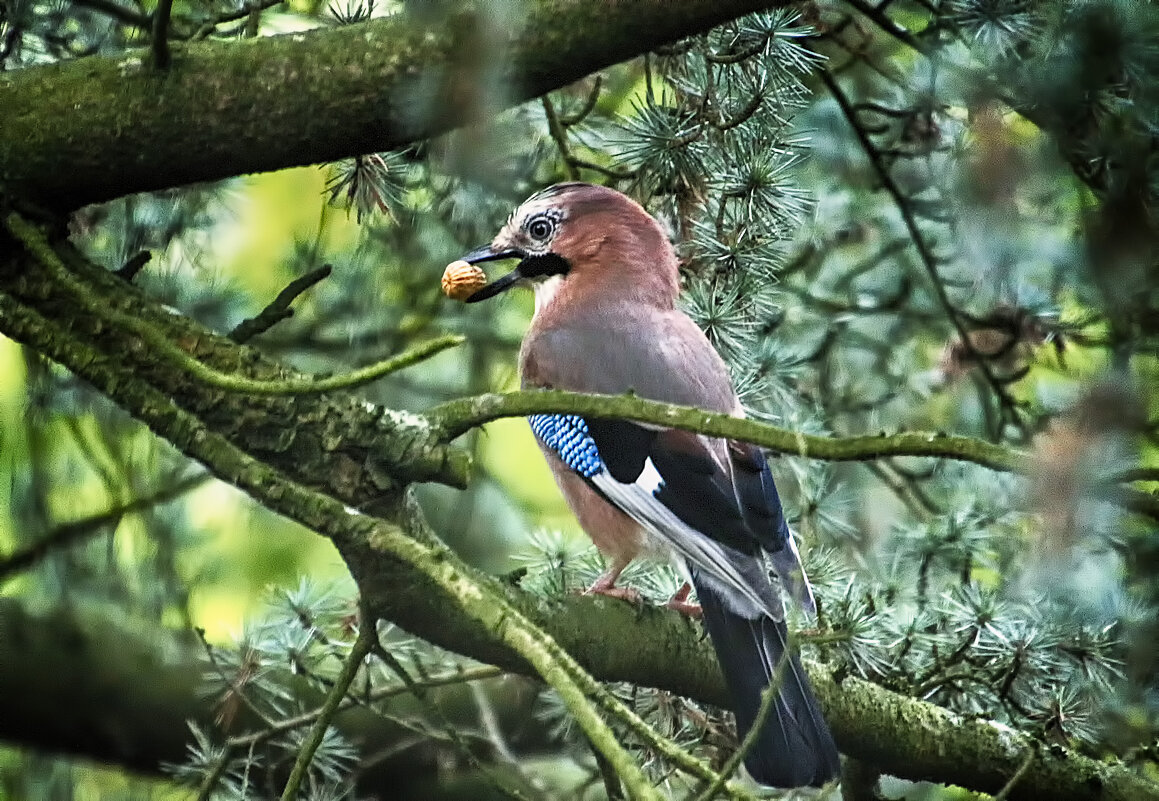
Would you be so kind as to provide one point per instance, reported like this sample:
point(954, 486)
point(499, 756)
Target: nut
point(462, 279)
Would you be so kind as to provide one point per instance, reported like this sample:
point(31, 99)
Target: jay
point(606, 282)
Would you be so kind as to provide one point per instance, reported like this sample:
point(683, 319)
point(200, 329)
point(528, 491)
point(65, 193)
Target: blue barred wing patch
point(568, 436)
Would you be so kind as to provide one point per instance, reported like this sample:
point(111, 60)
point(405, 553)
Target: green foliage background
point(836, 269)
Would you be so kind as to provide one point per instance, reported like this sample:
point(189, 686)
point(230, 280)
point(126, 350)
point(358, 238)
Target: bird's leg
point(679, 601)
point(606, 584)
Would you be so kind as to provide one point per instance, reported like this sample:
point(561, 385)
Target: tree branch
point(101, 127)
point(409, 577)
point(130, 689)
point(456, 417)
point(358, 450)
point(69, 533)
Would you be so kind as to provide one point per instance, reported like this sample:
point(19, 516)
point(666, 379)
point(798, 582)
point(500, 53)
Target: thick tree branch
point(359, 451)
point(102, 127)
point(130, 689)
point(407, 576)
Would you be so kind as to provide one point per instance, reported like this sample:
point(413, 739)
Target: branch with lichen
point(454, 418)
point(76, 133)
point(412, 579)
point(37, 245)
point(354, 449)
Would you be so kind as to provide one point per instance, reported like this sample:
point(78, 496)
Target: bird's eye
point(540, 228)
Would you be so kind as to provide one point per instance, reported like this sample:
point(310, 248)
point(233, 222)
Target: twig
point(912, 502)
point(69, 533)
point(568, 120)
point(363, 644)
point(610, 172)
point(1142, 473)
point(209, 26)
point(1004, 793)
point(135, 263)
point(560, 137)
point(768, 700)
point(382, 693)
point(742, 115)
point(611, 781)
point(490, 723)
point(888, 25)
point(118, 12)
point(279, 308)
point(419, 690)
point(924, 253)
point(209, 783)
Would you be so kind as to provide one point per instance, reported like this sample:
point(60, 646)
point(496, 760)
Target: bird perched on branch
point(606, 282)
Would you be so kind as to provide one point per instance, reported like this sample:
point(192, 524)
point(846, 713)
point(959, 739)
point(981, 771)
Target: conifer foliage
point(891, 215)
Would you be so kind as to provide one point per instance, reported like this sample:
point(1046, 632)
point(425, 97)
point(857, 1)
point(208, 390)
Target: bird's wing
point(713, 500)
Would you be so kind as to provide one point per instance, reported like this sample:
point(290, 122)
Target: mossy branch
point(412, 579)
point(37, 244)
point(454, 418)
point(92, 129)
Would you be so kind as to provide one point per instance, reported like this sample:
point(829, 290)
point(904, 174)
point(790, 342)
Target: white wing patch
point(649, 478)
point(638, 502)
point(787, 565)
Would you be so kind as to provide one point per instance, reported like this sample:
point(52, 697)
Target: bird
point(606, 283)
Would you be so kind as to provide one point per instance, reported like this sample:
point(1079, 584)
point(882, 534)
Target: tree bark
point(409, 577)
point(101, 127)
point(130, 690)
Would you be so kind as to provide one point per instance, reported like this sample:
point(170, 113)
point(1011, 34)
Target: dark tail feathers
point(794, 747)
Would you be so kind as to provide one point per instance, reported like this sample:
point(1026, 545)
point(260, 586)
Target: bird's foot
point(681, 604)
point(612, 591)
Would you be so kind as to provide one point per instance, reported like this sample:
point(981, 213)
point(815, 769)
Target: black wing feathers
point(698, 492)
point(757, 496)
point(740, 509)
point(694, 487)
point(623, 446)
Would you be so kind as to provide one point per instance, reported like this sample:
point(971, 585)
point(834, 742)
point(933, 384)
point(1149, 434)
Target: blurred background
point(891, 216)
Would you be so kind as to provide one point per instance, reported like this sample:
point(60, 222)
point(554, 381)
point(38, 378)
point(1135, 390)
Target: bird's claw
point(679, 601)
point(623, 593)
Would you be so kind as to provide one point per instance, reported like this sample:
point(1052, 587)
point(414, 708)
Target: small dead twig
point(279, 308)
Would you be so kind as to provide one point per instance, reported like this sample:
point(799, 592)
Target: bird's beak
point(487, 253)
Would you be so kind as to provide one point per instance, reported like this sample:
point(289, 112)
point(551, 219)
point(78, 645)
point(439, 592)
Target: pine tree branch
point(68, 534)
point(366, 639)
point(357, 450)
point(455, 417)
point(36, 244)
point(105, 126)
point(1009, 407)
point(128, 688)
point(409, 577)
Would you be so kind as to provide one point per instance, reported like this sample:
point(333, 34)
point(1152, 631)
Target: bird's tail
point(794, 747)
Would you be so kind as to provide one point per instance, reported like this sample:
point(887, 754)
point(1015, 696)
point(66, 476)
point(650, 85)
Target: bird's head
point(590, 238)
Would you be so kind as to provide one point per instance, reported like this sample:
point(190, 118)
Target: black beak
point(502, 284)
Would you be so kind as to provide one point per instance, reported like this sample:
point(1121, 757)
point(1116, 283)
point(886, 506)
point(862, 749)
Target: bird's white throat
point(545, 290)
